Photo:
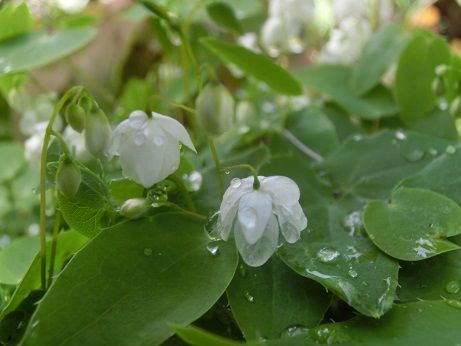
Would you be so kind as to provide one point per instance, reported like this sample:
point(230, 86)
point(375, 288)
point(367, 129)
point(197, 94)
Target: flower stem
point(183, 190)
point(217, 164)
point(301, 146)
point(46, 142)
point(256, 183)
point(54, 242)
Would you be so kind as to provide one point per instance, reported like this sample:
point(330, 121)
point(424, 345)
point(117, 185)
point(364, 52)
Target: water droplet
point(453, 287)
point(352, 273)
point(248, 297)
point(454, 303)
point(248, 217)
point(327, 255)
point(400, 135)
point(35, 324)
point(235, 183)
point(353, 222)
point(147, 251)
point(211, 227)
point(139, 139)
point(365, 284)
point(433, 152)
point(213, 249)
point(7, 69)
point(294, 331)
point(450, 149)
point(357, 137)
point(227, 172)
point(242, 270)
point(159, 140)
point(414, 155)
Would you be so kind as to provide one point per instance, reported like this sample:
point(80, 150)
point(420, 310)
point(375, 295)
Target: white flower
point(148, 148)
point(257, 216)
point(72, 6)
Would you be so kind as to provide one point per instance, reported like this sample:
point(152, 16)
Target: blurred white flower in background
point(257, 216)
point(148, 147)
point(72, 6)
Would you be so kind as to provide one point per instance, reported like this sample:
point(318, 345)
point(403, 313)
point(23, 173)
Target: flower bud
point(75, 117)
point(97, 133)
point(215, 109)
point(68, 178)
point(87, 104)
point(134, 208)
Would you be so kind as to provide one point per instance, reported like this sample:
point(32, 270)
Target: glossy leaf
point(268, 300)
point(254, 64)
point(131, 281)
point(198, 337)
point(335, 80)
point(224, 15)
point(414, 225)
point(16, 258)
point(415, 73)
point(40, 48)
point(382, 49)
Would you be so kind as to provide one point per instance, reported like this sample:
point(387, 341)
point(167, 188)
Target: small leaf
point(414, 225)
point(224, 15)
point(198, 337)
point(381, 50)
point(16, 258)
point(40, 48)
point(256, 65)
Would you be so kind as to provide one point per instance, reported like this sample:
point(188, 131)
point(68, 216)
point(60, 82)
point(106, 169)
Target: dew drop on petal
point(327, 255)
point(352, 273)
point(147, 251)
point(159, 140)
point(139, 139)
point(235, 183)
point(248, 297)
point(248, 217)
point(453, 287)
point(213, 249)
point(353, 222)
point(294, 331)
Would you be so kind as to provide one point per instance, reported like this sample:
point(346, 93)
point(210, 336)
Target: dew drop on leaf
point(400, 135)
point(147, 251)
point(454, 303)
point(414, 155)
point(450, 149)
point(352, 273)
point(248, 297)
point(294, 331)
point(433, 152)
point(327, 255)
point(213, 249)
point(453, 287)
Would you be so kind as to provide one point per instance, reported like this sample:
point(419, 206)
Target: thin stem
point(301, 146)
point(217, 163)
point(183, 190)
point(46, 142)
point(189, 212)
point(54, 242)
point(256, 183)
point(63, 143)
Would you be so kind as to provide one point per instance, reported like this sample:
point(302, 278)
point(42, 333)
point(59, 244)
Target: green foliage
point(14, 20)
point(224, 15)
point(16, 258)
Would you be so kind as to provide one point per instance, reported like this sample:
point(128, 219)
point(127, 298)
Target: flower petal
point(292, 221)
point(174, 128)
point(114, 143)
point(229, 205)
point(258, 253)
point(284, 191)
point(255, 209)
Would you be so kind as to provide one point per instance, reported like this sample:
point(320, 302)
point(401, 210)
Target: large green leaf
point(379, 53)
point(421, 323)
point(90, 209)
point(40, 48)
point(198, 337)
point(224, 15)
point(12, 155)
point(14, 20)
point(131, 281)
point(335, 80)
point(16, 258)
point(333, 251)
point(370, 166)
point(253, 64)
point(415, 73)
point(438, 124)
point(267, 301)
point(414, 225)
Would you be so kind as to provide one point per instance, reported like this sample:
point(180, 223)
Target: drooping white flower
point(148, 147)
point(257, 216)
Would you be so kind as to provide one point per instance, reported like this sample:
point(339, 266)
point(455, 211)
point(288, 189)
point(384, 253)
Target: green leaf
point(12, 161)
point(268, 300)
point(14, 20)
point(198, 337)
point(68, 243)
point(432, 279)
point(370, 166)
point(338, 257)
point(223, 15)
point(438, 124)
point(421, 323)
point(335, 80)
point(256, 65)
point(123, 189)
point(16, 258)
point(381, 50)
point(90, 209)
point(414, 225)
point(40, 48)
point(131, 281)
point(415, 73)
